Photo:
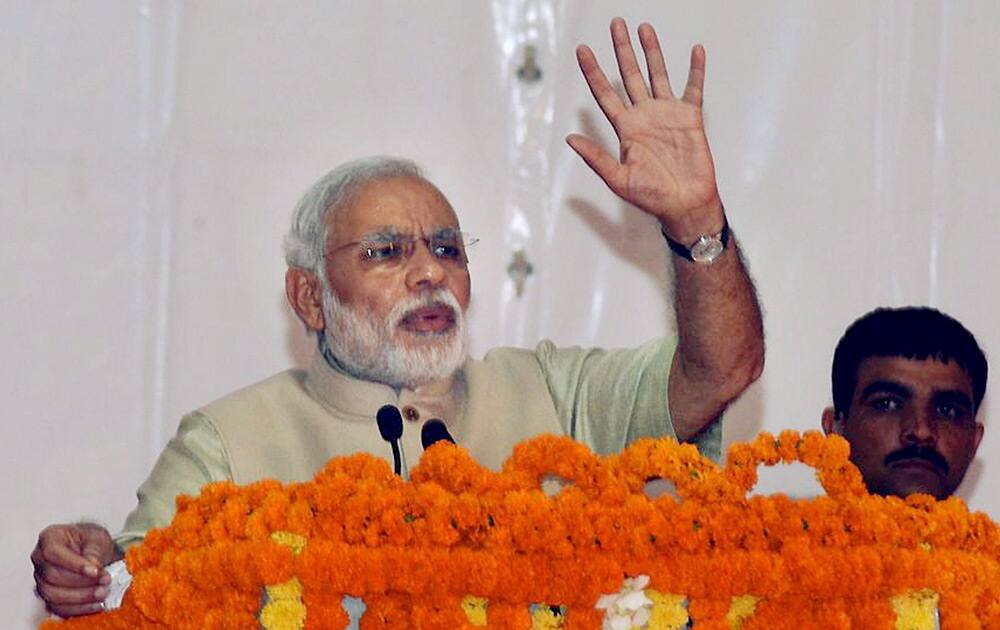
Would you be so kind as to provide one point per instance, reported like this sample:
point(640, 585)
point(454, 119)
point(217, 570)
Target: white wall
point(150, 154)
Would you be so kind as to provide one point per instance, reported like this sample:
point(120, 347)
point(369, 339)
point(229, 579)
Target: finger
point(76, 610)
point(63, 557)
point(98, 548)
point(51, 574)
point(607, 99)
point(693, 91)
point(37, 557)
point(606, 167)
point(65, 596)
point(628, 66)
point(659, 80)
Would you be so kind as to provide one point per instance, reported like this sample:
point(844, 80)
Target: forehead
point(922, 376)
point(408, 204)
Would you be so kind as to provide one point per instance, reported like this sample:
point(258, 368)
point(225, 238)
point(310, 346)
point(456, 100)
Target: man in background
point(907, 385)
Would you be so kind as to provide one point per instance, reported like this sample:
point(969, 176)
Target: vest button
point(411, 414)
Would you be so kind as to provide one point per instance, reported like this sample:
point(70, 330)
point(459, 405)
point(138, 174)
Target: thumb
point(599, 160)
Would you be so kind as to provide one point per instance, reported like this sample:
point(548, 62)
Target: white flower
point(627, 608)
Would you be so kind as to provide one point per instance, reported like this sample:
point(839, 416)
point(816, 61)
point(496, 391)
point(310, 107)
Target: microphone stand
point(390, 427)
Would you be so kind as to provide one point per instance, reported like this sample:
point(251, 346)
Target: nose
point(424, 270)
point(920, 428)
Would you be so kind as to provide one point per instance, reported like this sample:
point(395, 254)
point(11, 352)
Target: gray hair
point(306, 240)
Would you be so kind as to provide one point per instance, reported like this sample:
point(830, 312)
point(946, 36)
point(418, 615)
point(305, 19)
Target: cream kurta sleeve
point(609, 398)
point(194, 457)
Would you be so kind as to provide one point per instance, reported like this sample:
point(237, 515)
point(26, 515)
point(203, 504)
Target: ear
point(304, 293)
point(831, 423)
point(979, 437)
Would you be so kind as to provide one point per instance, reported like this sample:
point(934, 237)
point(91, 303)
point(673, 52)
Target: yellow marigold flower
point(543, 618)
point(283, 614)
point(740, 609)
point(284, 609)
point(916, 610)
point(291, 589)
point(475, 610)
point(295, 542)
point(669, 611)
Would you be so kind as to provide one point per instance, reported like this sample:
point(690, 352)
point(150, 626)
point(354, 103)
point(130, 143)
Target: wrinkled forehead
point(402, 205)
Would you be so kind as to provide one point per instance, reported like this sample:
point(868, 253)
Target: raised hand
point(69, 568)
point(665, 166)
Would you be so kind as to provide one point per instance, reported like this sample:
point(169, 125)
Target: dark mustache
point(918, 452)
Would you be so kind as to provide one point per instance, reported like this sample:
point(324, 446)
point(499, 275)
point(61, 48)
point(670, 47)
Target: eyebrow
point(381, 234)
point(889, 387)
point(446, 232)
point(385, 233)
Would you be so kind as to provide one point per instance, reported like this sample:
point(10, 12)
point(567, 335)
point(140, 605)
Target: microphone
point(433, 432)
point(390, 426)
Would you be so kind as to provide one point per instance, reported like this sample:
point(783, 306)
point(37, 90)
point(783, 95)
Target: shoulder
point(508, 359)
point(506, 367)
point(545, 348)
point(271, 391)
point(504, 355)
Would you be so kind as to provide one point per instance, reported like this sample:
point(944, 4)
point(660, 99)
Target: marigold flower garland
point(464, 547)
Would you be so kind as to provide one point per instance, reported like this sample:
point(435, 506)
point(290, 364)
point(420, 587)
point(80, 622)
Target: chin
point(905, 490)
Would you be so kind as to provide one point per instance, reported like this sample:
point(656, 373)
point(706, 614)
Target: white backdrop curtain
point(151, 152)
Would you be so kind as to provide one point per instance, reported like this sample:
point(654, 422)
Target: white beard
point(367, 347)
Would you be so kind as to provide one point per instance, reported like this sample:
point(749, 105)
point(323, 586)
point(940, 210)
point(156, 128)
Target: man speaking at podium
point(377, 270)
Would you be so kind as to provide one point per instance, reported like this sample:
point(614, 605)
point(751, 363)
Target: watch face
point(706, 249)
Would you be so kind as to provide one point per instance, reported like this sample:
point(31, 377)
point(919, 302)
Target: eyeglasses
point(391, 248)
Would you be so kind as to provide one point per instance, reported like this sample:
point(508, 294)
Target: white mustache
point(437, 297)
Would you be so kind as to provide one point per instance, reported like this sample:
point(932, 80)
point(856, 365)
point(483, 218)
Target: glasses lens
point(452, 246)
point(383, 251)
point(448, 247)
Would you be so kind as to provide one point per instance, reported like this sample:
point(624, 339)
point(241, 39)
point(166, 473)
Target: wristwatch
point(706, 249)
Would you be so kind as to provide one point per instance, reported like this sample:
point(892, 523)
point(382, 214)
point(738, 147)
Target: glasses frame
point(407, 243)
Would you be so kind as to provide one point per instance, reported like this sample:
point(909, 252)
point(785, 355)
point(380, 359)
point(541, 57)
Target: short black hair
point(910, 332)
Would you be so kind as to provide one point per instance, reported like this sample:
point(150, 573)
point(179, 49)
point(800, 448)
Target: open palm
point(665, 166)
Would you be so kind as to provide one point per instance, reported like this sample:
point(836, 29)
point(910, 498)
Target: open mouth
point(434, 319)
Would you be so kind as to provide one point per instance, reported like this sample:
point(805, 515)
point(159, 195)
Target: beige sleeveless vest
point(288, 426)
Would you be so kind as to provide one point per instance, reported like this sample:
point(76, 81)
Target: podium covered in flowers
point(460, 546)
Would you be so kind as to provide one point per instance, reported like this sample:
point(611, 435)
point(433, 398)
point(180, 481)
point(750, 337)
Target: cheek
point(867, 442)
point(958, 445)
point(380, 300)
point(461, 286)
point(368, 293)
point(345, 282)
